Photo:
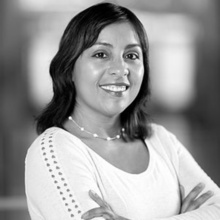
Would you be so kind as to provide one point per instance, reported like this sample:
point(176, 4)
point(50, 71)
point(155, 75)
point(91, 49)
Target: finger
point(195, 192)
point(97, 199)
point(182, 191)
point(97, 212)
point(92, 213)
point(107, 217)
point(188, 201)
point(200, 200)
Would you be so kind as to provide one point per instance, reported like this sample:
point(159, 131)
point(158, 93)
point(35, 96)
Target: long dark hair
point(80, 34)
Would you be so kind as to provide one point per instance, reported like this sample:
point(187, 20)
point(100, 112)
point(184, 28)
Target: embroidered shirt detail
point(57, 175)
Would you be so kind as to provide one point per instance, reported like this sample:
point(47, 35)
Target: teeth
point(115, 88)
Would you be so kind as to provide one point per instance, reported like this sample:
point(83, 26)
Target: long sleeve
point(58, 178)
point(60, 171)
point(190, 174)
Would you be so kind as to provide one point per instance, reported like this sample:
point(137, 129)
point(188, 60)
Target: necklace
point(118, 136)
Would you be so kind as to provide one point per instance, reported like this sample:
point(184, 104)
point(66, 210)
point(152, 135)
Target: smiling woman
point(111, 70)
point(95, 134)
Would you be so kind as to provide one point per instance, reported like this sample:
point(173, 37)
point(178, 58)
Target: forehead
point(118, 33)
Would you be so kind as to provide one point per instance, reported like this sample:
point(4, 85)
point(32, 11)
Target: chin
point(115, 112)
point(114, 108)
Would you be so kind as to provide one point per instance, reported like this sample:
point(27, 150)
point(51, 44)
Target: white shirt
point(61, 169)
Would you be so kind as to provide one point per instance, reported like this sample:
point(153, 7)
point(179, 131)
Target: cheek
point(136, 80)
point(85, 74)
point(137, 77)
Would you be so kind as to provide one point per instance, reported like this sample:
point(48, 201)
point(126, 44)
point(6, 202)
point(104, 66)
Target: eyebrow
point(133, 45)
point(110, 45)
point(103, 44)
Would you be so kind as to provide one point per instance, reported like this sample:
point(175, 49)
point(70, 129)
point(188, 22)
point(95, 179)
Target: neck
point(95, 135)
point(103, 126)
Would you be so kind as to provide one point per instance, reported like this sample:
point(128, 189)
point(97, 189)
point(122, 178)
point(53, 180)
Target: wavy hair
point(80, 34)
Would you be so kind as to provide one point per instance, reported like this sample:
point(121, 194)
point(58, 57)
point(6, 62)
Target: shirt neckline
point(93, 154)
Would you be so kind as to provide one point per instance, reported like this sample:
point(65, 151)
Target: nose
point(118, 68)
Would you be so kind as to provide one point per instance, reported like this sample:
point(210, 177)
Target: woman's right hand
point(191, 201)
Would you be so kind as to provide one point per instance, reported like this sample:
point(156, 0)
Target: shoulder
point(50, 164)
point(55, 142)
point(54, 136)
point(161, 133)
point(44, 140)
point(164, 142)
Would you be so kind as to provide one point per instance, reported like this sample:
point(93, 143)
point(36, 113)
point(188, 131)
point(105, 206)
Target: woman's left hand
point(104, 211)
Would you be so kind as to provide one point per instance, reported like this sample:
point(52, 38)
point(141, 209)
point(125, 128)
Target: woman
point(97, 154)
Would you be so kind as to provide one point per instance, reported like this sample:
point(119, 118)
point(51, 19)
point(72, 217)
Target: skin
point(115, 59)
point(191, 202)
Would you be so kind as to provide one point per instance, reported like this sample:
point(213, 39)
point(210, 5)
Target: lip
point(115, 84)
point(115, 89)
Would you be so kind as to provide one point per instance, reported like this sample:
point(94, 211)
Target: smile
point(114, 88)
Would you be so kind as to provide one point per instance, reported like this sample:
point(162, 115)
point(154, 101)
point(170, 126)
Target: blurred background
point(184, 37)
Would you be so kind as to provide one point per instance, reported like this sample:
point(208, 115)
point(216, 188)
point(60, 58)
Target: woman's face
point(109, 74)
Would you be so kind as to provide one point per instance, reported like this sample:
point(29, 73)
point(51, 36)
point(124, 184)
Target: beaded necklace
point(118, 136)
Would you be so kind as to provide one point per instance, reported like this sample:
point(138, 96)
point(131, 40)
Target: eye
point(132, 56)
point(100, 55)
